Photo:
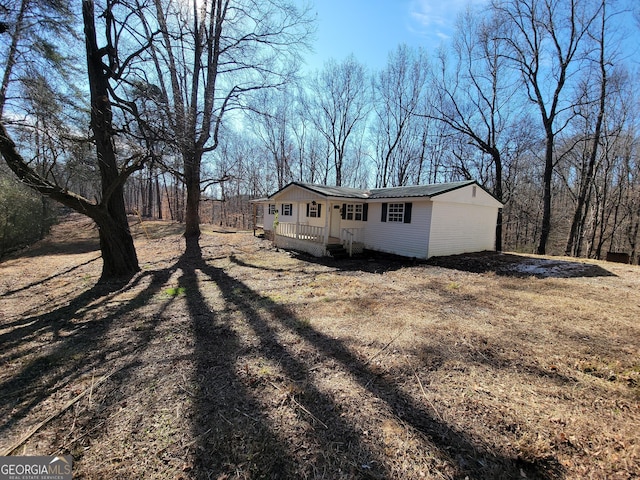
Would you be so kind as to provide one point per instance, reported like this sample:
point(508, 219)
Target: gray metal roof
point(418, 190)
point(328, 191)
point(380, 193)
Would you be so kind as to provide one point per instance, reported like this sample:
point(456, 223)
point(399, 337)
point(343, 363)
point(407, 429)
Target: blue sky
point(370, 29)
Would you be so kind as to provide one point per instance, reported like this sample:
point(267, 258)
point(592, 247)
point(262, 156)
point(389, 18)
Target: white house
point(419, 221)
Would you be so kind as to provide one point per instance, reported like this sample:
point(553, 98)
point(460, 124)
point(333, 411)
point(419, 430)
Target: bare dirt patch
point(248, 362)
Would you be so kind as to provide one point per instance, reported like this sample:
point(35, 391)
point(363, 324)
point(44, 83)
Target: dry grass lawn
point(248, 362)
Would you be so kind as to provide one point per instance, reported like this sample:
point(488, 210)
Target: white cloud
point(437, 17)
point(428, 13)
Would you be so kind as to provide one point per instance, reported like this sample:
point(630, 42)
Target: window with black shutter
point(314, 210)
point(396, 212)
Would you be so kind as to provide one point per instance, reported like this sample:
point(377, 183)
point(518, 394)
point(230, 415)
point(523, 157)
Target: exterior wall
point(269, 218)
point(299, 197)
point(407, 239)
point(314, 221)
point(296, 194)
point(461, 228)
point(267, 222)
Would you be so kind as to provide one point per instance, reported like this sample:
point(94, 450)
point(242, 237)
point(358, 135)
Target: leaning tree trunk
point(497, 191)
point(118, 252)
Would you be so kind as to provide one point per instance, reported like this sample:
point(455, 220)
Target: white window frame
point(395, 212)
point(313, 210)
point(354, 211)
point(359, 212)
point(348, 214)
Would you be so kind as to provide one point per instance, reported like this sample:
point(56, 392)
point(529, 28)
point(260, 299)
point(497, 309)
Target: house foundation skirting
point(356, 249)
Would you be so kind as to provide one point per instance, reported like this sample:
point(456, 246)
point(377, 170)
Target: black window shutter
point(343, 212)
point(308, 209)
point(384, 213)
point(407, 212)
point(319, 210)
point(365, 211)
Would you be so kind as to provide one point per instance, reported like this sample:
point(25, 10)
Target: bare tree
point(338, 105)
point(545, 41)
point(474, 96)
point(210, 56)
point(272, 120)
point(399, 90)
point(603, 63)
point(31, 30)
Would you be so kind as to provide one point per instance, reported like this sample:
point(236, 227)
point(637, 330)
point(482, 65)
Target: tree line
point(186, 111)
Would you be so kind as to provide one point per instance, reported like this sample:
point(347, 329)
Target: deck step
point(337, 251)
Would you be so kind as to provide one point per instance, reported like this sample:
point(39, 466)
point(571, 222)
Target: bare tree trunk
point(169, 199)
point(633, 238)
point(192, 211)
point(118, 252)
point(158, 197)
point(547, 177)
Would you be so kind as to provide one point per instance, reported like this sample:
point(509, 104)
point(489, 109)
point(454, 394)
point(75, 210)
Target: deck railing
point(349, 236)
point(301, 232)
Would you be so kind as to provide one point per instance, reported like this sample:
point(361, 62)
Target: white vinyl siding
point(471, 195)
point(399, 238)
point(298, 198)
point(459, 228)
point(296, 194)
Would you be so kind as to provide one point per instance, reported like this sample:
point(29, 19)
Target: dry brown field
point(246, 362)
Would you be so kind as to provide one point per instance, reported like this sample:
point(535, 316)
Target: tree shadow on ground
point(235, 429)
point(336, 446)
point(503, 264)
point(67, 247)
point(69, 343)
point(49, 278)
point(242, 354)
point(522, 266)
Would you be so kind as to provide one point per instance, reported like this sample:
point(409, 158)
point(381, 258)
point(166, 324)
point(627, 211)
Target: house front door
point(334, 228)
